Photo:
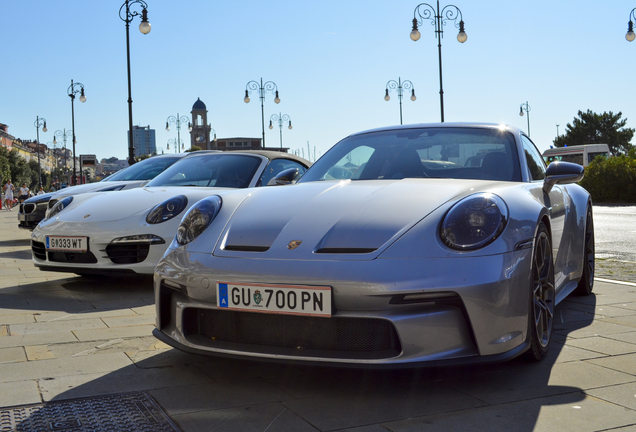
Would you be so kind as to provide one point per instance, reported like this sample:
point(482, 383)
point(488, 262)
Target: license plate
point(21, 217)
point(72, 243)
point(283, 299)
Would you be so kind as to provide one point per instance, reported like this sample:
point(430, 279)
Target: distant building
point(6, 140)
point(143, 140)
point(238, 143)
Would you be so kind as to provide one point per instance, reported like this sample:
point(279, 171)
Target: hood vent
point(345, 250)
point(241, 248)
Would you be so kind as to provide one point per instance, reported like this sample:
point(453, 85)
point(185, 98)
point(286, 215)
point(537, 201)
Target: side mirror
point(562, 173)
point(285, 177)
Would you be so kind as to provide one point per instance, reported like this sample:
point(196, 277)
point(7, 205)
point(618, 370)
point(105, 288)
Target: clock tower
point(200, 133)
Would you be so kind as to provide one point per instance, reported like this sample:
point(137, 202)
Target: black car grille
point(27, 208)
point(38, 249)
point(129, 253)
point(73, 257)
point(335, 337)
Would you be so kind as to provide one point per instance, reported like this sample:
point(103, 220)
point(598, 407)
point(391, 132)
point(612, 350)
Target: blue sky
point(331, 61)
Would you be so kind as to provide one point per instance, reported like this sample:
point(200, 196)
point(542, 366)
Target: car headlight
point(474, 222)
point(167, 209)
point(198, 218)
point(58, 207)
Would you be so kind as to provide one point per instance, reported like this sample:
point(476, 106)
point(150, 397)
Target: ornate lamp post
point(178, 120)
point(269, 86)
point(74, 89)
point(630, 36)
point(175, 144)
point(438, 18)
point(64, 135)
point(525, 107)
point(127, 16)
point(39, 122)
point(400, 86)
point(280, 118)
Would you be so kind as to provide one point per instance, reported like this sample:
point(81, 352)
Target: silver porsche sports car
point(420, 244)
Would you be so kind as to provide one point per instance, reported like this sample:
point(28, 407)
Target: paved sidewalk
point(64, 337)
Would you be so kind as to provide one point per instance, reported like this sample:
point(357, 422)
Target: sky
point(331, 61)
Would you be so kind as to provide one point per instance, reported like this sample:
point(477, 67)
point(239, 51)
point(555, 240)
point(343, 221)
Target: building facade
point(144, 140)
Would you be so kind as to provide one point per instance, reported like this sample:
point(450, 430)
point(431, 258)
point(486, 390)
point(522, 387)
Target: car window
point(145, 170)
point(463, 153)
point(536, 165)
point(210, 170)
point(278, 165)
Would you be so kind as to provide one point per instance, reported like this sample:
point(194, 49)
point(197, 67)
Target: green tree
point(20, 171)
point(193, 149)
point(592, 128)
point(5, 168)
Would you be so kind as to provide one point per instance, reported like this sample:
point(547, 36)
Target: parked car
point(390, 250)
point(127, 232)
point(33, 210)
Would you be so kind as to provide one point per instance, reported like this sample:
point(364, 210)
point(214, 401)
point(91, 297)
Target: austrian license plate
point(71, 243)
point(283, 299)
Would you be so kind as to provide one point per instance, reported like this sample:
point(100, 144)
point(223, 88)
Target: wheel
point(586, 284)
point(541, 309)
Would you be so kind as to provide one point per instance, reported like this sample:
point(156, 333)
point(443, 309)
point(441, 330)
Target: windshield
point(145, 170)
point(210, 170)
point(461, 153)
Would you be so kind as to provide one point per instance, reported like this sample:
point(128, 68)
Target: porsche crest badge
point(294, 244)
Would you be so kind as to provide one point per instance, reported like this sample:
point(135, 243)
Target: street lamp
point(269, 86)
point(39, 122)
point(399, 85)
point(73, 89)
point(64, 135)
point(438, 18)
point(175, 144)
point(630, 36)
point(280, 118)
point(144, 27)
point(178, 120)
point(525, 107)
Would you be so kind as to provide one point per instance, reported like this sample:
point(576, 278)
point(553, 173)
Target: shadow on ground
point(207, 393)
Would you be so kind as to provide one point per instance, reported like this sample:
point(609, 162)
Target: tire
point(542, 295)
point(586, 284)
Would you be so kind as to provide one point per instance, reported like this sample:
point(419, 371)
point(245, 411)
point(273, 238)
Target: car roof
point(269, 154)
point(484, 125)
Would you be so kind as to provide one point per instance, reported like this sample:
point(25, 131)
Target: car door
point(556, 203)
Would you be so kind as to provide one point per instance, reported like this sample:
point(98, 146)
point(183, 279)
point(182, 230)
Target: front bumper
point(30, 219)
point(476, 309)
point(101, 257)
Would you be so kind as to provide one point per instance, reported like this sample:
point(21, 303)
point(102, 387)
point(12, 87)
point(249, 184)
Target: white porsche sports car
point(128, 231)
point(33, 210)
point(445, 242)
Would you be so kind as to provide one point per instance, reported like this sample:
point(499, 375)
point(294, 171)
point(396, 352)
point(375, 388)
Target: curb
point(616, 282)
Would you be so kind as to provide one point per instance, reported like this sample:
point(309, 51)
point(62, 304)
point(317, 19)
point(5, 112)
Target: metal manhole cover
point(124, 412)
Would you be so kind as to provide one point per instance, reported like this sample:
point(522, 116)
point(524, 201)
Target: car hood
point(106, 206)
point(348, 218)
point(94, 187)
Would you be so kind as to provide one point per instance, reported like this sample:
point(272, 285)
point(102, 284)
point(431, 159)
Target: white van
point(579, 154)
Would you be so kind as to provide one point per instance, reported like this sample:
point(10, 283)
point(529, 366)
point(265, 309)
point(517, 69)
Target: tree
point(592, 128)
point(193, 149)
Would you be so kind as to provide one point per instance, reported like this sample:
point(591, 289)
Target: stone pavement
point(64, 337)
